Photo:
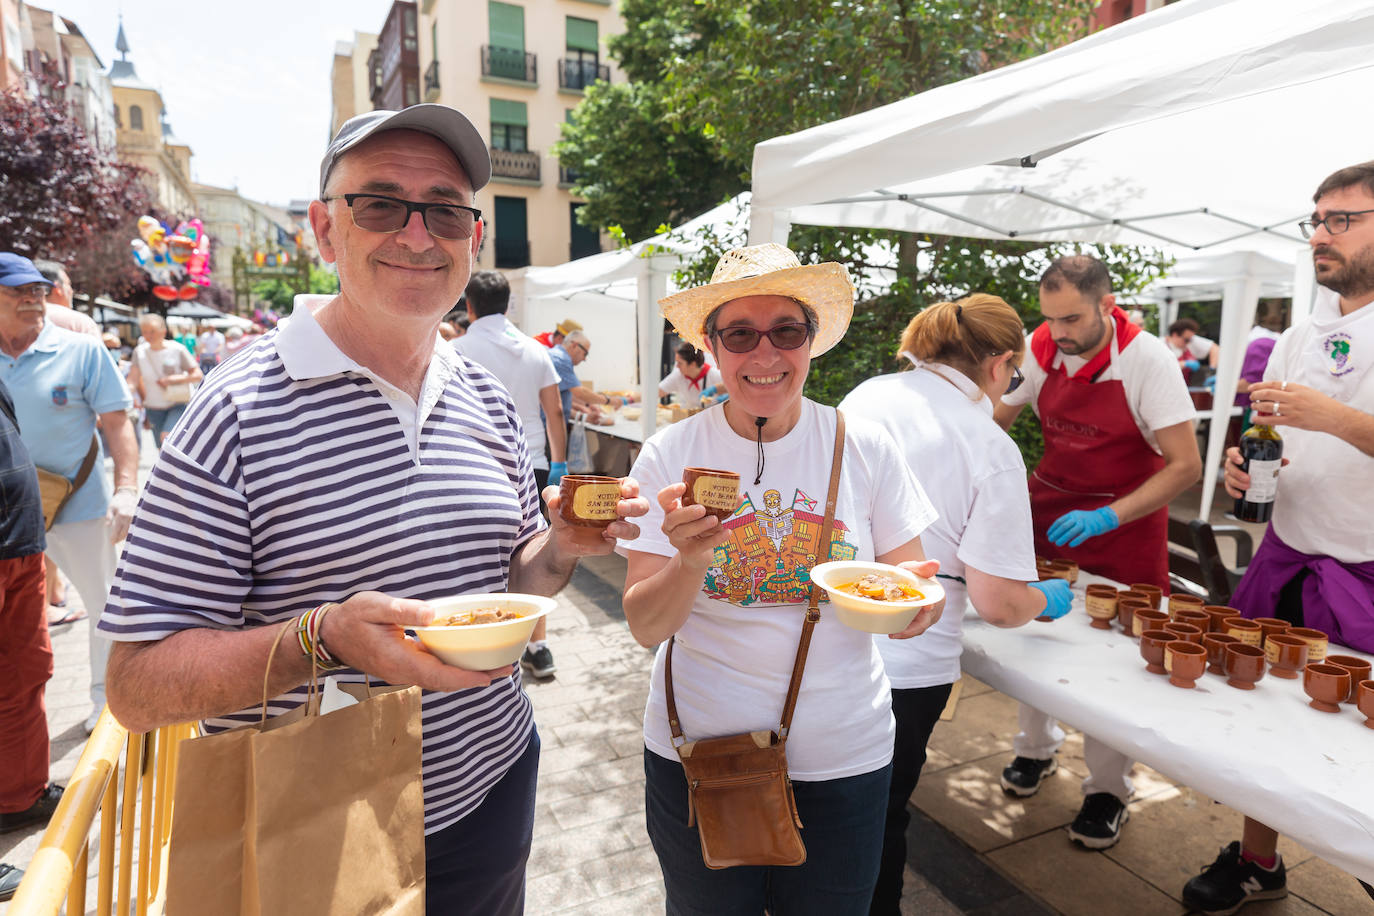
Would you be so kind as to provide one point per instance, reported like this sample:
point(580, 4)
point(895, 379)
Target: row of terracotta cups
point(1191, 636)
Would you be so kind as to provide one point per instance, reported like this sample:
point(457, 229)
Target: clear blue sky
point(246, 84)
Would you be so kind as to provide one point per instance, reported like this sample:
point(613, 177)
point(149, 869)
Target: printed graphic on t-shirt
point(1337, 347)
point(771, 550)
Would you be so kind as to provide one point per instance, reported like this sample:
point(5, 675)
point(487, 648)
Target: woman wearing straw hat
point(733, 597)
point(966, 355)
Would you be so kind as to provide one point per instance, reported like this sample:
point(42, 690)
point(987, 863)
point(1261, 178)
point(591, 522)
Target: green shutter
point(507, 112)
point(507, 23)
point(581, 34)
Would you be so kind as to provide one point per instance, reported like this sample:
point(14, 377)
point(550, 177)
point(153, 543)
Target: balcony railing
point(579, 74)
point(512, 252)
point(432, 82)
point(509, 63)
point(511, 164)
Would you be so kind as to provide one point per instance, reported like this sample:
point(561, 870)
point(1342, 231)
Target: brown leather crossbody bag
point(739, 795)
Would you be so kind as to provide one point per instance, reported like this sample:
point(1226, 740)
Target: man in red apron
point(1119, 444)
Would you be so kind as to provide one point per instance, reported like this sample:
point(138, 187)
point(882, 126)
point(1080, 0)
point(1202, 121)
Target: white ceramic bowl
point(867, 614)
point(482, 646)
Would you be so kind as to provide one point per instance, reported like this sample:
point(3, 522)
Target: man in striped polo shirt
point(344, 457)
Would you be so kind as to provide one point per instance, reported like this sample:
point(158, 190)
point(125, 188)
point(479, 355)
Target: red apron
point(1094, 454)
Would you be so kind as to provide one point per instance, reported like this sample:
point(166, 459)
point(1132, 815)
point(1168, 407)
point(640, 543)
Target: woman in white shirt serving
point(732, 597)
point(692, 378)
point(966, 355)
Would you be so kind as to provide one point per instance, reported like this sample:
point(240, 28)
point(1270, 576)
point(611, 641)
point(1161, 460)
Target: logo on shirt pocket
point(59, 395)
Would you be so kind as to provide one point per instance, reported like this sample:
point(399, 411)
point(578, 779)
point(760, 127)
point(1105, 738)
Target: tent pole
point(653, 286)
point(1304, 289)
point(1237, 317)
point(770, 225)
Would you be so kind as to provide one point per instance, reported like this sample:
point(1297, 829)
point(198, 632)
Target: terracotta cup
point(1147, 620)
point(1179, 601)
point(1247, 631)
point(1216, 616)
point(1100, 600)
point(1152, 643)
point(1197, 618)
point(1317, 643)
point(1364, 702)
point(1126, 609)
point(587, 502)
point(1185, 662)
point(1185, 631)
point(1152, 593)
point(1065, 569)
point(1326, 684)
point(1131, 594)
point(1270, 625)
point(1244, 665)
point(1215, 644)
point(1359, 671)
point(717, 490)
point(1286, 655)
point(1042, 562)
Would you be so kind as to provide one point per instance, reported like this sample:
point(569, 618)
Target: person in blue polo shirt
point(62, 383)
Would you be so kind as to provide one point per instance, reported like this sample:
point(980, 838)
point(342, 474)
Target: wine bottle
point(1261, 452)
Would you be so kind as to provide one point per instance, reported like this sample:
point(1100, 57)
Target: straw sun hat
point(766, 270)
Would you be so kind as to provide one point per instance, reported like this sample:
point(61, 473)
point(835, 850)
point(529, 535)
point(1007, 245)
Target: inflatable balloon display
point(177, 262)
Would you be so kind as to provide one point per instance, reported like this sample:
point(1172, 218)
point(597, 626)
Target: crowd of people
point(915, 467)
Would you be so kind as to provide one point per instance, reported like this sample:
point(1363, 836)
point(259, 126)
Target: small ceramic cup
point(717, 490)
point(1364, 702)
point(1286, 655)
point(1326, 684)
point(1244, 665)
point(1317, 643)
point(587, 502)
point(1182, 600)
point(1148, 620)
point(1215, 644)
point(1270, 625)
point(1247, 631)
point(1065, 569)
point(1186, 632)
point(1185, 662)
point(1100, 601)
point(1126, 609)
point(1197, 618)
point(1359, 671)
point(1152, 643)
point(1152, 593)
point(1216, 616)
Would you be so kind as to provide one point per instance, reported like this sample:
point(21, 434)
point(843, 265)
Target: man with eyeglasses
point(63, 383)
point(1315, 565)
point(350, 465)
point(1119, 445)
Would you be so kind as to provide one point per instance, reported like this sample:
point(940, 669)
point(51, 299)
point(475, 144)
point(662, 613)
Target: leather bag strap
point(87, 463)
point(813, 613)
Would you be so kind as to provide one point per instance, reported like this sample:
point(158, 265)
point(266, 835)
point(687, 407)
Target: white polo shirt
point(520, 363)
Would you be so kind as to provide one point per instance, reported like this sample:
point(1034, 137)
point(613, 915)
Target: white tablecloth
point(1263, 752)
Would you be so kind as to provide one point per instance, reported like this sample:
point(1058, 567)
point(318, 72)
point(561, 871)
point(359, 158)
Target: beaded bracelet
point(308, 636)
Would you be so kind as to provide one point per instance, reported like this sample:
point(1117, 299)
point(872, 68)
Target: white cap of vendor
point(447, 124)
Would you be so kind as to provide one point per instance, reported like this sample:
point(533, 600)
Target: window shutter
point(582, 34)
point(504, 111)
point(507, 23)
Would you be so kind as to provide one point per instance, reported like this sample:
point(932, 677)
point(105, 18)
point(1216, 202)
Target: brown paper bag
point(324, 815)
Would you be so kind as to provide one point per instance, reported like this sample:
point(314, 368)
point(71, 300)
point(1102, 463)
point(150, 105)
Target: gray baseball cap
point(449, 125)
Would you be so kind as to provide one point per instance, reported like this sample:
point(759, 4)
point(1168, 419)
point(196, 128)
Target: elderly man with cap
point(62, 383)
point(561, 330)
point(349, 457)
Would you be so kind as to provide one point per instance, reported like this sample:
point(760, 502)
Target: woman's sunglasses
point(1016, 379)
point(738, 339)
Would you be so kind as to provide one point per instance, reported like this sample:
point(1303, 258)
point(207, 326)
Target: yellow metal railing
point(139, 808)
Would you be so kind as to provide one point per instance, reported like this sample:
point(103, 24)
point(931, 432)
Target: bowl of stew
point(480, 632)
point(875, 597)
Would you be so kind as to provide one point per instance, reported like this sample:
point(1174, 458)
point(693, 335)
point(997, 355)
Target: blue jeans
point(843, 833)
point(163, 419)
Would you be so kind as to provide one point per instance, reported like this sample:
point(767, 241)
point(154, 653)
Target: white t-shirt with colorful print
point(734, 654)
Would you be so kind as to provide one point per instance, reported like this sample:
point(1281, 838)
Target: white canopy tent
point(1205, 125)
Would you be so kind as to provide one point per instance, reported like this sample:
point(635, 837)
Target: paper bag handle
point(312, 696)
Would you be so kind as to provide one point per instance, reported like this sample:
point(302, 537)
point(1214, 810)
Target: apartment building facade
point(351, 79)
point(144, 137)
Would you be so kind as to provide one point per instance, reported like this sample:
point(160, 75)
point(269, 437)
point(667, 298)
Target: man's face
point(1077, 324)
point(405, 275)
point(766, 381)
point(21, 309)
point(577, 350)
point(61, 293)
point(1345, 262)
point(1182, 338)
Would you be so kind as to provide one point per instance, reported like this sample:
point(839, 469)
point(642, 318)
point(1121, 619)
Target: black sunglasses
point(380, 213)
point(1016, 379)
point(740, 339)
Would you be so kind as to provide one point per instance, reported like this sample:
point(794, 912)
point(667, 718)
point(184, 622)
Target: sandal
point(71, 616)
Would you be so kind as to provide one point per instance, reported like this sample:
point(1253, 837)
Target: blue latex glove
point(556, 471)
point(1058, 597)
point(1073, 528)
point(1211, 384)
point(1191, 365)
point(709, 392)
